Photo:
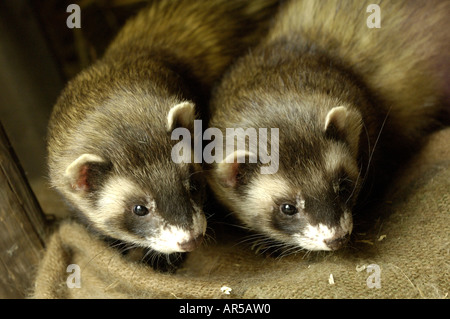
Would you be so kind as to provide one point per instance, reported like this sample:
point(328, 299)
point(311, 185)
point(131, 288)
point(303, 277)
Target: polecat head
point(129, 189)
point(308, 202)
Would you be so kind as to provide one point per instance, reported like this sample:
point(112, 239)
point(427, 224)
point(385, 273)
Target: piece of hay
point(331, 279)
point(226, 290)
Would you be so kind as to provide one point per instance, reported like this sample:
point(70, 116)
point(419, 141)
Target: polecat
point(109, 138)
point(349, 102)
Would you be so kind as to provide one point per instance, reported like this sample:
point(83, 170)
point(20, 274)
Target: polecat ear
point(344, 124)
point(85, 173)
point(230, 170)
point(181, 115)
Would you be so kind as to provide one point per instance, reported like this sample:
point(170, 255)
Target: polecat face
point(150, 218)
point(126, 206)
point(310, 205)
point(308, 202)
point(126, 185)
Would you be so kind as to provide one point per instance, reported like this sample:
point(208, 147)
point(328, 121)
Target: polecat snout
point(349, 101)
point(109, 140)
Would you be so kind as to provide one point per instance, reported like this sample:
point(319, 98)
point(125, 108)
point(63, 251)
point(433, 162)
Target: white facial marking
point(300, 202)
point(199, 222)
point(346, 222)
point(337, 157)
point(170, 237)
point(314, 237)
point(113, 195)
point(261, 192)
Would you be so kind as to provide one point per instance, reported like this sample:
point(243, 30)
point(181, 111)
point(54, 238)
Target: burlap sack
point(404, 254)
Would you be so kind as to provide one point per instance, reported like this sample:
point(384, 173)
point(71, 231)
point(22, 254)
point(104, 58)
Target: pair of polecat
point(109, 138)
point(349, 101)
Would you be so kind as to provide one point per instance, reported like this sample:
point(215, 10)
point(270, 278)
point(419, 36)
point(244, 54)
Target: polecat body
point(109, 140)
point(349, 103)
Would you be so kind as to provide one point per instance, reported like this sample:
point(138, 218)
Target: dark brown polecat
point(109, 139)
point(349, 100)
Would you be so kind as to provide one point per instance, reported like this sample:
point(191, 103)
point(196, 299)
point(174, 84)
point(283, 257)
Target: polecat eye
point(140, 210)
point(288, 209)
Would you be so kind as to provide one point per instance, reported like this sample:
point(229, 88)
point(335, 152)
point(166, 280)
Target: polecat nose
point(337, 242)
point(191, 244)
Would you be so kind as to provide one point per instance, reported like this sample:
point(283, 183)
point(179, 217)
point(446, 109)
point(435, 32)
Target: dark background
point(38, 55)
